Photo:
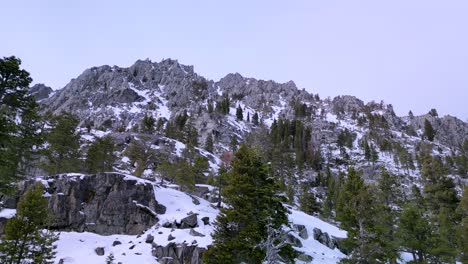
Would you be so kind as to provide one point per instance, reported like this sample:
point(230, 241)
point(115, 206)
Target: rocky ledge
point(104, 203)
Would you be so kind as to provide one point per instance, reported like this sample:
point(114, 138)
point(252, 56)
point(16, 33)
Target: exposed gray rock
point(195, 233)
point(325, 239)
point(116, 243)
point(174, 253)
point(149, 239)
point(190, 221)
point(293, 240)
point(302, 230)
point(106, 203)
point(304, 257)
point(40, 91)
point(170, 237)
point(346, 104)
point(206, 220)
point(99, 251)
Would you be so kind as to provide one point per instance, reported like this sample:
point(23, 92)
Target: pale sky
point(410, 53)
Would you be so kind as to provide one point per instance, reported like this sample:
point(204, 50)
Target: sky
point(412, 54)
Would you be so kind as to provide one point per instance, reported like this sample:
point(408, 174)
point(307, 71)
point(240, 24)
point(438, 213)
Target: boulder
point(190, 221)
point(324, 238)
point(206, 220)
point(305, 258)
point(99, 251)
point(302, 230)
point(293, 240)
point(174, 253)
point(149, 239)
point(195, 233)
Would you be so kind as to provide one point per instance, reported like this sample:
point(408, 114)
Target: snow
point(178, 206)
point(74, 247)
point(319, 252)
point(298, 217)
point(7, 213)
point(332, 118)
point(179, 148)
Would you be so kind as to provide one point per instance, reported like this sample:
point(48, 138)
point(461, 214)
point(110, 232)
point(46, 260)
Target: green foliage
point(24, 240)
point(64, 143)
point(223, 105)
point(147, 124)
point(100, 156)
point(239, 114)
point(414, 233)
point(429, 131)
point(110, 259)
point(356, 211)
point(345, 139)
point(462, 230)
point(255, 119)
point(308, 203)
point(209, 145)
point(141, 156)
point(252, 202)
point(19, 123)
point(210, 106)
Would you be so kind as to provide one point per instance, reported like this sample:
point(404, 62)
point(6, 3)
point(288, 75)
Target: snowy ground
point(74, 247)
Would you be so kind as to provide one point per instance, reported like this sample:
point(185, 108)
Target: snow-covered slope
point(76, 247)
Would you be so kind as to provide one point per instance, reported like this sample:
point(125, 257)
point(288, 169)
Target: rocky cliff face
point(105, 203)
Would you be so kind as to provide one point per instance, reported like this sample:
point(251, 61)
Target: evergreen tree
point(356, 211)
point(210, 106)
point(64, 143)
point(147, 124)
point(374, 154)
point(414, 233)
point(388, 199)
point(239, 114)
point(462, 230)
point(100, 156)
point(209, 143)
point(141, 156)
point(429, 131)
point(24, 240)
point(255, 120)
point(18, 122)
point(308, 203)
point(252, 202)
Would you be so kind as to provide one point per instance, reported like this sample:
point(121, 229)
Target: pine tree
point(239, 114)
point(429, 131)
point(252, 202)
point(388, 198)
point(24, 240)
point(414, 233)
point(255, 120)
point(308, 203)
point(147, 124)
point(209, 143)
point(64, 144)
point(110, 259)
point(462, 231)
point(18, 123)
point(141, 156)
point(100, 156)
point(210, 106)
point(356, 213)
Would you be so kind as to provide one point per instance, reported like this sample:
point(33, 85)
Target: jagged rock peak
point(40, 91)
